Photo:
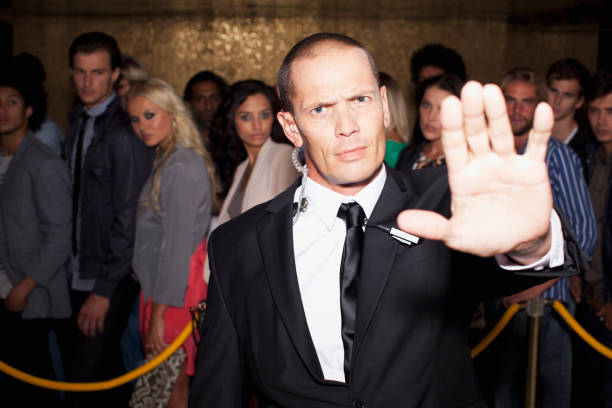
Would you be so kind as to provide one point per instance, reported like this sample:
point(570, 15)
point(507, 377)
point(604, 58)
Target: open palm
point(500, 201)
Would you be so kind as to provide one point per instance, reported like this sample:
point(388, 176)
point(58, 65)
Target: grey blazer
point(35, 227)
point(165, 240)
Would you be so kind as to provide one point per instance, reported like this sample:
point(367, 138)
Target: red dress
point(176, 318)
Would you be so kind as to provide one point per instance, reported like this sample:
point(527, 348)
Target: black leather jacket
point(116, 166)
point(606, 234)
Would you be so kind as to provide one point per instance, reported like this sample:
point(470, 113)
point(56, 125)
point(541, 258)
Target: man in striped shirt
point(523, 90)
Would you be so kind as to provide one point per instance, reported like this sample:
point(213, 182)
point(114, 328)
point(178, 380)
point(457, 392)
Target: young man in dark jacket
point(109, 165)
point(592, 371)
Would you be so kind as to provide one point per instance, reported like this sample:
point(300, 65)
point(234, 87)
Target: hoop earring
point(295, 159)
point(302, 203)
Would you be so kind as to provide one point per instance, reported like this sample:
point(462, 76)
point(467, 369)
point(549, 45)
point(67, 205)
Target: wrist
point(158, 310)
point(531, 251)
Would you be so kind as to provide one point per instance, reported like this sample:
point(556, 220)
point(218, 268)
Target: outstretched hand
point(500, 201)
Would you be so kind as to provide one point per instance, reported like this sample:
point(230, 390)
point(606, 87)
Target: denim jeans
point(131, 343)
point(507, 372)
point(592, 371)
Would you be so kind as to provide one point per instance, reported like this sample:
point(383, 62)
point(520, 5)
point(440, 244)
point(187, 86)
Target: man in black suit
point(290, 319)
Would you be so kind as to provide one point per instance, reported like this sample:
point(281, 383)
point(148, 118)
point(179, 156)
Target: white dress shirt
point(318, 242)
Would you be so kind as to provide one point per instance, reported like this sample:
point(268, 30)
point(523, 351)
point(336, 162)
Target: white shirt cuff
point(554, 258)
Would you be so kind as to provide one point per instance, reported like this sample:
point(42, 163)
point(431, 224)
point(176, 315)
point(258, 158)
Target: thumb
point(424, 224)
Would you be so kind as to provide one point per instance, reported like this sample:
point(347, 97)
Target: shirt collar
point(325, 202)
point(569, 138)
point(99, 109)
point(29, 134)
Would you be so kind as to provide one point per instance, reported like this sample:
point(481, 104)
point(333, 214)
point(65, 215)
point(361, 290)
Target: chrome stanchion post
point(535, 310)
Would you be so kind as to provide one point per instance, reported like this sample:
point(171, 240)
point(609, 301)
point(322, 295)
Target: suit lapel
point(15, 164)
point(72, 133)
point(275, 235)
point(379, 251)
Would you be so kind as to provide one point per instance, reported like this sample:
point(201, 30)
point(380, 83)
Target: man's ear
point(580, 102)
point(385, 106)
point(287, 122)
point(29, 111)
point(115, 74)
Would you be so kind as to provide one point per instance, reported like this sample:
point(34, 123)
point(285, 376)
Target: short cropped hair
point(132, 69)
point(438, 55)
point(15, 74)
point(305, 48)
point(601, 85)
point(201, 77)
point(89, 43)
point(527, 75)
point(569, 68)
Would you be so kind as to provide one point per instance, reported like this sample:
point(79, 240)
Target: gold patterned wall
point(177, 46)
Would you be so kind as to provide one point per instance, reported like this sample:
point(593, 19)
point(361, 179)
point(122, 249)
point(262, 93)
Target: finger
point(538, 137)
point(100, 324)
point(474, 120)
point(156, 348)
point(424, 224)
point(500, 131)
point(92, 327)
point(85, 327)
point(453, 139)
point(149, 348)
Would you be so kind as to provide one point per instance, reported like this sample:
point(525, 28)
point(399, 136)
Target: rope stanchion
point(101, 385)
point(127, 377)
point(590, 340)
point(499, 326)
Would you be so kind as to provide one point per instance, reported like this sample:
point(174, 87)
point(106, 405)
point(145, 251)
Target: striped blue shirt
point(570, 195)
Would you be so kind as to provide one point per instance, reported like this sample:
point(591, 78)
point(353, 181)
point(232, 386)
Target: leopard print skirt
point(153, 389)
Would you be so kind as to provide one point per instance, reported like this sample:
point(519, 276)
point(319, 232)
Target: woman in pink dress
point(172, 221)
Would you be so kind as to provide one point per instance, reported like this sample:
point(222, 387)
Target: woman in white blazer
point(248, 118)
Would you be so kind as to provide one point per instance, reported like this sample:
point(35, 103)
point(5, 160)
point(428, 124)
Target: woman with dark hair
point(249, 148)
point(428, 152)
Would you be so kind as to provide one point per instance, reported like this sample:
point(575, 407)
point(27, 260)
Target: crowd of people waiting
point(103, 233)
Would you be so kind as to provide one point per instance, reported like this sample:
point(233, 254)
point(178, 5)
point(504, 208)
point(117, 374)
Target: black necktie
point(354, 217)
point(78, 162)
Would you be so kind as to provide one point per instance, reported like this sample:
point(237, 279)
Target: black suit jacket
point(414, 306)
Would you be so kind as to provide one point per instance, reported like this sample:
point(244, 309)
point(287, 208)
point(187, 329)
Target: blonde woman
point(398, 132)
point(172, 220)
